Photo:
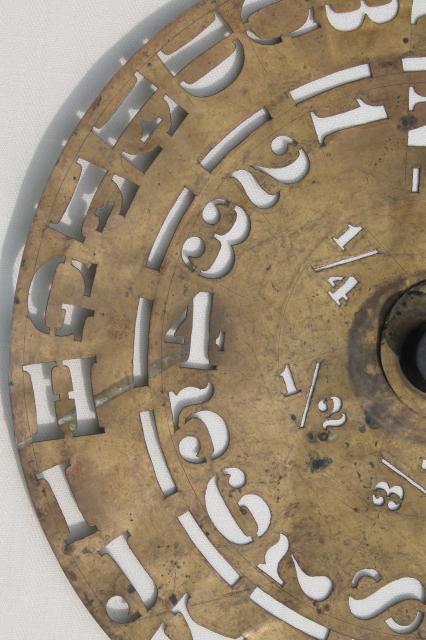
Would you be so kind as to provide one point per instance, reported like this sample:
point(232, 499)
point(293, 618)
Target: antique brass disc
point(213, 330)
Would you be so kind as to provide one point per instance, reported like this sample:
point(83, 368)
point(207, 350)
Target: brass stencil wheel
point(218, 367)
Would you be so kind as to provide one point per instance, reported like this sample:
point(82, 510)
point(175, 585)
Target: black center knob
point(413, 357)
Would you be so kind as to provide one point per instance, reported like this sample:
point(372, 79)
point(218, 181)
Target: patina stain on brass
point(214, 425)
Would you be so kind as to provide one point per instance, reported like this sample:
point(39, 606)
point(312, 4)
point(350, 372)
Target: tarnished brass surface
point(275, 308)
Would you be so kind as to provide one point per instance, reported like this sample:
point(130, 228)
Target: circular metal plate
point(206, 378)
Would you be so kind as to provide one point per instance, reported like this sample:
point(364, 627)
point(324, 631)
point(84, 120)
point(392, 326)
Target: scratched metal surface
point(276, 336)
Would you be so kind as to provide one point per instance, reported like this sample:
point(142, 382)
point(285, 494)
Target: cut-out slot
point(88, 274)
point(202, 309)
point(141, 343)
point(287, 174)
point(316, 588)
point(352, 20)
point(142, 161)
point(177, 115)
point(406, 628)
point(189, 446)
point(160, 634)
point(186, 398)
point(84, 417)
point(198, 357)
point(291, 173)
point(347, 236)
point(289, 616)
point(156, 455)
point(168, 229)
point(264, 41)
point(417, 63)
point(128, 191)
point(135, 100)
point(91, 176)
point(171, 337)
point(197, 631)
point(415, 182)
point(39, 292)
point(363, 114)
point(417, 137)
point(75, 521)
point(208, 38)
point(219, 78)
point(414, 98)
point(251, 7)
point(389, 595)
point(240, 133)
point(208, 550)
point(118, 611)
point(71, 222)
point(74, 321)
point(223, 264)
point(273, 557)
point(221, 516)
point(331, 81)
point(45, 401)
point(254, 191)
point(309, 25)
point(121, 553)
point(82, 393)
point(418, 9)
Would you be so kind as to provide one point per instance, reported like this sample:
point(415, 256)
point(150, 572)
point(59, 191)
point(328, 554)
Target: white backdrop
point(55, 58)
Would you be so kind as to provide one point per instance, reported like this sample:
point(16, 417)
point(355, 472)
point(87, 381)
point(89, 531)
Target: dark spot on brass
point(316, 463)
point(370, 421)
point(408, 122)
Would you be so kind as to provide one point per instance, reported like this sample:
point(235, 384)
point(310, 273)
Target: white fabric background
point(55, 59)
